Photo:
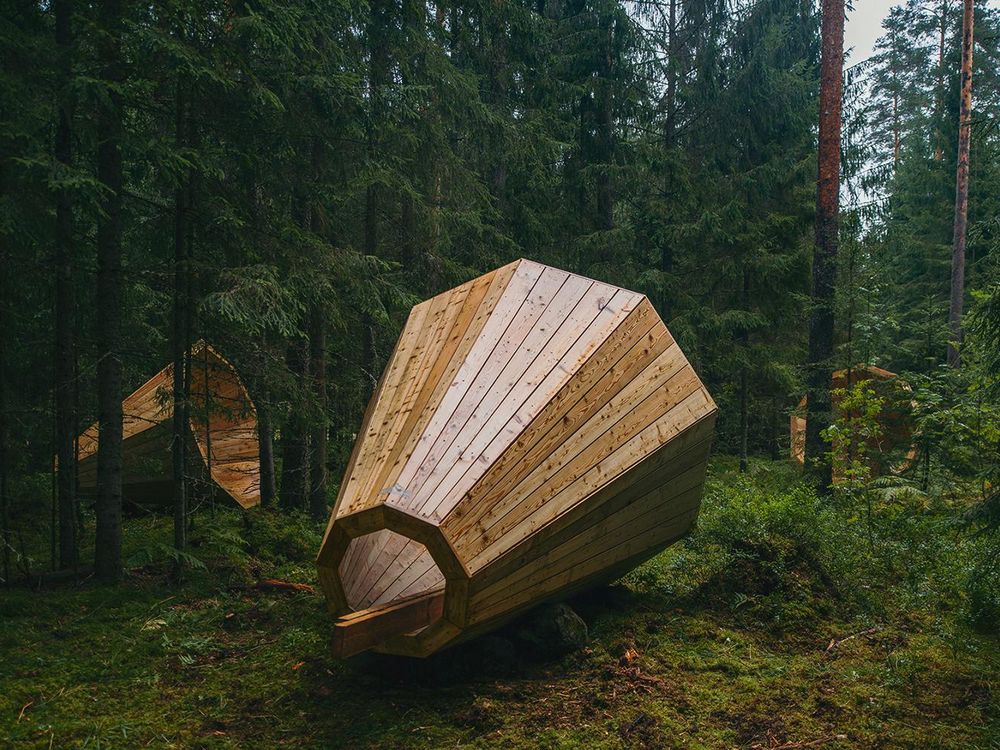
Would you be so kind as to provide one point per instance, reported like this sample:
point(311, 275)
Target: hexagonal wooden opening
point(385, 566)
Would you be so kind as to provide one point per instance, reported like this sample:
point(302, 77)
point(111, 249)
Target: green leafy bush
point(768, 548)
point(777, 546)
point(982, 587)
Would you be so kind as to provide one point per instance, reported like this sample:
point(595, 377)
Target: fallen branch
point(806, 743)
point(834, 643)
point(277, 584)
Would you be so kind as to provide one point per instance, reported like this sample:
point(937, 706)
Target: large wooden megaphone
point(535, 432)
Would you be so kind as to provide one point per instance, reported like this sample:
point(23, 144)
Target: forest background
point(285, 179)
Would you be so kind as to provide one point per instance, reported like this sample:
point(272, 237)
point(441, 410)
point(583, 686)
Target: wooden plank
point(359, 631)
point(450, 340)
point(668, 500)
point(642, 402)
point(558, 499)
point(234, 462)
point(662, 466)
point(427, 348)
point(407, 351)
point(411, 349)
point(523, 443)
point(470, 358)
point(479, 303)
point(390, 566)
point(421, 575)
point(603, 553)
point(361, 555)
point(573, 306)
point(603, 576)
point(420, 578)
point(525, 300)
point(455, 355)
point(615, 363)
point(324, 559)
point(148, 412)
point(558, 359)
point(432, 337)
point(423, 643)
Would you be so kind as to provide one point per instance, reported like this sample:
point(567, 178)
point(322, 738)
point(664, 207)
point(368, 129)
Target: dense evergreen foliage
point(296, 174)
point(286, 178)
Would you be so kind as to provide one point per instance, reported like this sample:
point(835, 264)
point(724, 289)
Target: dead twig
point(277, 584)
point(834, 643)
point(804, 743)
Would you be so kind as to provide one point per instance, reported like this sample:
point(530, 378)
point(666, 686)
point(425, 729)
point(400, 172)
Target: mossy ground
point(704, 647)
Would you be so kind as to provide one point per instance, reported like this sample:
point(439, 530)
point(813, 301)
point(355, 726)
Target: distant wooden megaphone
point(535, 432)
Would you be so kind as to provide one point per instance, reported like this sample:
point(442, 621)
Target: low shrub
point(769, 548)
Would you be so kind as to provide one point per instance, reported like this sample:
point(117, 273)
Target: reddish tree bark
point(824, 272)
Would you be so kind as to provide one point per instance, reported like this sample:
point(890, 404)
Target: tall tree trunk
point(110, 126)
point(265, 436)
point(824, 271)
point(181, 345)
point(261, 394)
point(671, 101)
point(499, 72)
point(371, 221)
point(744, 420)
point(65, 355)
point(317, 355)
point(744, 388)
point(191, 291)
point(378, 78)
point(294, 439)
point(775, 430)
point(961, 193)
point(412, 18)
point(409, 255)
point(4, 505)
point(939, 92)
point(605, 134)
point(896, 139)
point(669, 140)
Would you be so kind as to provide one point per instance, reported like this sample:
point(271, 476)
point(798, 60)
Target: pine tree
point(961, 190)
point(65, 312)
point(107, 562)
point(825, 256)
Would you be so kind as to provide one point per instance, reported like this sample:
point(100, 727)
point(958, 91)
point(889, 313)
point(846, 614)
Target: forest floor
point(739, 637)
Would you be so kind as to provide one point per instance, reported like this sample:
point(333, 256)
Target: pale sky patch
point(864, 25)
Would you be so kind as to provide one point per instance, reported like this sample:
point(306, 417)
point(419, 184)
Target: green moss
point(722, 641)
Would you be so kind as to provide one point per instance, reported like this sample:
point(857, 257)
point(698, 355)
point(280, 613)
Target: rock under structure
point(226, 454)
point(534, 432)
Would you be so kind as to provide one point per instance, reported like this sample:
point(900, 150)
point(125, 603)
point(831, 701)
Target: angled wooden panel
point(223, 434)
point(471, 312)
point(596, 316)
point(534, 431)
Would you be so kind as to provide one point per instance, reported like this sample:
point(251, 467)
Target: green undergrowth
point(782, 619)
